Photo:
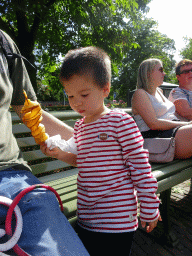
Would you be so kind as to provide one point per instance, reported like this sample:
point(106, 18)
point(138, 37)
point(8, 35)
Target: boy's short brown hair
point(87, 61)
point(181, 63)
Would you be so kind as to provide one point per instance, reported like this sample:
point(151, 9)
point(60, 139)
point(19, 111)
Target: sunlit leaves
point(49, 28)
point(186, 52)
point(148, 43)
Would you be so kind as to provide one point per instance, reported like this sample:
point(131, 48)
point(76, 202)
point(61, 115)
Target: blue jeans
point(46, 230)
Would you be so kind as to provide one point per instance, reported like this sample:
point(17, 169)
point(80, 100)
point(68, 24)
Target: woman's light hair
point(144, 72)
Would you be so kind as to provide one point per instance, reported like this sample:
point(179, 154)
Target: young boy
point(110, 157)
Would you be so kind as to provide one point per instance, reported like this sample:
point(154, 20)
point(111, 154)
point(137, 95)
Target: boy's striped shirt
point(112, 166)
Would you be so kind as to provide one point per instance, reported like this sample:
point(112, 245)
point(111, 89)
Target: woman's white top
point(164, 109)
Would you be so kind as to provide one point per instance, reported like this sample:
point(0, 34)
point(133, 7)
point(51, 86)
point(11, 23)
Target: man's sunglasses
point(185, 71)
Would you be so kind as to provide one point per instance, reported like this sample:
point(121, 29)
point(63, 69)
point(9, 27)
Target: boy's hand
point(66, 157)
point(51, 153)
point(151, 225)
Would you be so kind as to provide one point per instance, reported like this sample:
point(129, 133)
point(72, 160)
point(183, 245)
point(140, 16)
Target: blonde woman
point(155, 114)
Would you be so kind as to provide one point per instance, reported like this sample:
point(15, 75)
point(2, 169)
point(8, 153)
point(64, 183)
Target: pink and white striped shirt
point(112, 166)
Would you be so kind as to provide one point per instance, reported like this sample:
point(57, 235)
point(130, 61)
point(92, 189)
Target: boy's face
point(85, 97)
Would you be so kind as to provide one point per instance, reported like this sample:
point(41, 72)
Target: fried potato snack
point(32, 118)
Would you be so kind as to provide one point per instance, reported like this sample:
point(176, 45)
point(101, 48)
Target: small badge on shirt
point(131, 218)
point(103, 136)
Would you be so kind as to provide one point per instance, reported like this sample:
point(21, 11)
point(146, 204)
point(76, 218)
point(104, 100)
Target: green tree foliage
point(186, 52)
point(45, 30)
point(41, 27)
point(150, 44)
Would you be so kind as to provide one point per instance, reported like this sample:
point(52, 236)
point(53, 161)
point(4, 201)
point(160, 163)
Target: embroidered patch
point(131, 217)
point(103, 136)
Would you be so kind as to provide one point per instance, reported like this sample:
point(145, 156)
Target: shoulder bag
point(161, 150)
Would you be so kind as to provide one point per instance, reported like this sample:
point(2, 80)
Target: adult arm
point(183, 108)
point(53, 125)
point(20, 80)
point(141, 105)
point(181, 98)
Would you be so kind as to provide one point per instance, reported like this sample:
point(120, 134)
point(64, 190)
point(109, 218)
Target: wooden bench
point(62, 177)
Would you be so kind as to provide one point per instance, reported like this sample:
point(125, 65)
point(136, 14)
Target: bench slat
point(174, 180)
point(70, 196)
point(48, 166)
point(64, 191)
point(70, 208)
point(25, 142)
point(63, 181)
point(20, 128)
point(33, 155)
point(56, 177)
point(65, 185)
point(62, 115)
point(73, 221)
point(170, 169)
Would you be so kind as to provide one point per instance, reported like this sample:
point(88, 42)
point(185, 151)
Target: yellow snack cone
point(31, 123)
point(32, 117)
point(33, 113)
point(42, 139)
point(28, 104)
point(40, 129)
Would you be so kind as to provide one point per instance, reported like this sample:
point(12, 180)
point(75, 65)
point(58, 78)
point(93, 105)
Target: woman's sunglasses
point(161, 69)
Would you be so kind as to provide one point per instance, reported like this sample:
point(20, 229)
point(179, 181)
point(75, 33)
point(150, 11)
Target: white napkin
point(64, 145)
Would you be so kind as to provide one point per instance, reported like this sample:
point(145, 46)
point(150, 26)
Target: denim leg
point(46, 231)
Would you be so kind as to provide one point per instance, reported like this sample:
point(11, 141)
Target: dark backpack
point(9, 54)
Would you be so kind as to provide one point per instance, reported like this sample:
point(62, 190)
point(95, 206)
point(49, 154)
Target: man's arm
point(183, 108)
point(53, 125)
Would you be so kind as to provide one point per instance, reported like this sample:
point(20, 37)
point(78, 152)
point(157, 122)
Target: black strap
point(9, 54)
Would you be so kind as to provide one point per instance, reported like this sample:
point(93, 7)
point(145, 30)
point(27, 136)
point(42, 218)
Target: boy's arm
point(136, 158)
point(66, 157)
point(145, 184)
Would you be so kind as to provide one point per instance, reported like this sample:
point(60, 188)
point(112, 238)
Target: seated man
point(182, 95)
